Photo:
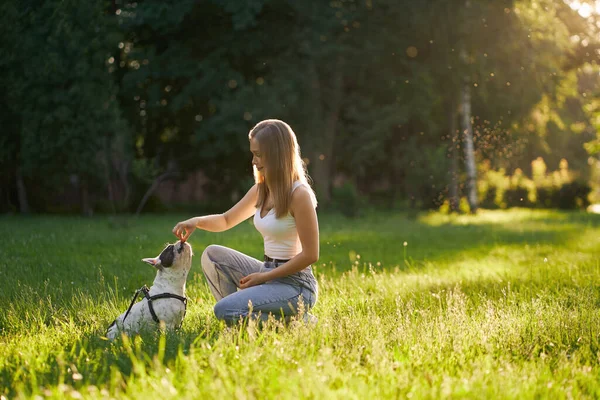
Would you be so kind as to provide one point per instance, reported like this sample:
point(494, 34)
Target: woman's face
point(257, 159)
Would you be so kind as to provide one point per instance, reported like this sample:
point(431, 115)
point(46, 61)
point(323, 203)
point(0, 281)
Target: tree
point(60, 95)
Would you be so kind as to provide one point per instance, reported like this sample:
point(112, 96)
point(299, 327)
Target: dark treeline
point(394, 102)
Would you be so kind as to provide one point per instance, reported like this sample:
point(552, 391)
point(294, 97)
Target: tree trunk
point(323, 152)
point(454, 198)
point(122, 169)
point(467, 129)
point(86, 208)
point(109, 186)
point(315, 128)
point(21, 192)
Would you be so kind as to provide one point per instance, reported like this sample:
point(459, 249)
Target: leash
point(146, 291)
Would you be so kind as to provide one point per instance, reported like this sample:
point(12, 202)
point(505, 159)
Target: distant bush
point(573, 195)
point(556, 189)
point(347, 200)
point(546, 197)
point(517, 197)
point(488, 198)
point(382, 198)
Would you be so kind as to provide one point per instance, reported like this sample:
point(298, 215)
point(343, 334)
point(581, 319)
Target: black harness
point(144, 289)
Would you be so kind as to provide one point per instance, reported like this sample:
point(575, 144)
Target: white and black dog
point(165, 301)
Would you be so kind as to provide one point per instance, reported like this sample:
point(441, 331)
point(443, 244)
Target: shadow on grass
point(91, 359)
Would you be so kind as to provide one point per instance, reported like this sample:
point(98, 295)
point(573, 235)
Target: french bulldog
point(165, 300)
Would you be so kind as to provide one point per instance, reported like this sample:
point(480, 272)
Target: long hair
point(283, 164)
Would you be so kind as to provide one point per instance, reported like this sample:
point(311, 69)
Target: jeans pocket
point(267, 266)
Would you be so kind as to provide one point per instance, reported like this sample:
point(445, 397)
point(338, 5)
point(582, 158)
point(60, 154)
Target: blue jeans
point(224, 267)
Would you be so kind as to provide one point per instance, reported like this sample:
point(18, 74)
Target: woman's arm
point(308, 231)
point(241, 211)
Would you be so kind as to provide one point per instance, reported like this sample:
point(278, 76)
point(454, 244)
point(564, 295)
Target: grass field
point(505, 304)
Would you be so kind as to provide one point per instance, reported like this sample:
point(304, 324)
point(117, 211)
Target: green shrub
point(346, 199)
point(546, 197)
point(517, 197)
point(573, 195)
point(382, 198)
point(488, 200)
point(546, 189)
point(155, 205)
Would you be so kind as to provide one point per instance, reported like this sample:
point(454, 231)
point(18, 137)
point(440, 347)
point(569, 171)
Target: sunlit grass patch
point(494, 217)
point(501, 305)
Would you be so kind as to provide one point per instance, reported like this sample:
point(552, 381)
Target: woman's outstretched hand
point(184, 229)
point(253, 279)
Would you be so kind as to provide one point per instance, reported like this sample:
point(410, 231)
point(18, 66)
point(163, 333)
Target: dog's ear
point(155, 262)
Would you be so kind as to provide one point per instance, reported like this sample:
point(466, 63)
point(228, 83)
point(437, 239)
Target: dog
point(165, 301)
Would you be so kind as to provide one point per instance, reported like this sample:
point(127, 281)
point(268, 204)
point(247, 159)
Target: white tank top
point(280, 234)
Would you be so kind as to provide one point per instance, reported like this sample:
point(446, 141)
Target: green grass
point(500, 305)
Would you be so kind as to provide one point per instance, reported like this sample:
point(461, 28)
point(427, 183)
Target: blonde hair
point(283, 164)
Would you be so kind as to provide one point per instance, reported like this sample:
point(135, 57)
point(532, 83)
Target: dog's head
point(174, 257)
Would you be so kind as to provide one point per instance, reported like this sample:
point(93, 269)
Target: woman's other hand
point(254, 279)
point(184, 229)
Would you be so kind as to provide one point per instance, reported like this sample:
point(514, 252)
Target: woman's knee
point(225, 312)
point(209, 256)
point(310, 299)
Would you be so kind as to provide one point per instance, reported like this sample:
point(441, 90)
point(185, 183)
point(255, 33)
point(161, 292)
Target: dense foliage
point(104, 100)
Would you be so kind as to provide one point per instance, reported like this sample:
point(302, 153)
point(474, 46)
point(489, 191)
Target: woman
point(283, 205)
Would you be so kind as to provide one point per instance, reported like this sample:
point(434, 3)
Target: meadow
point(504, 304)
